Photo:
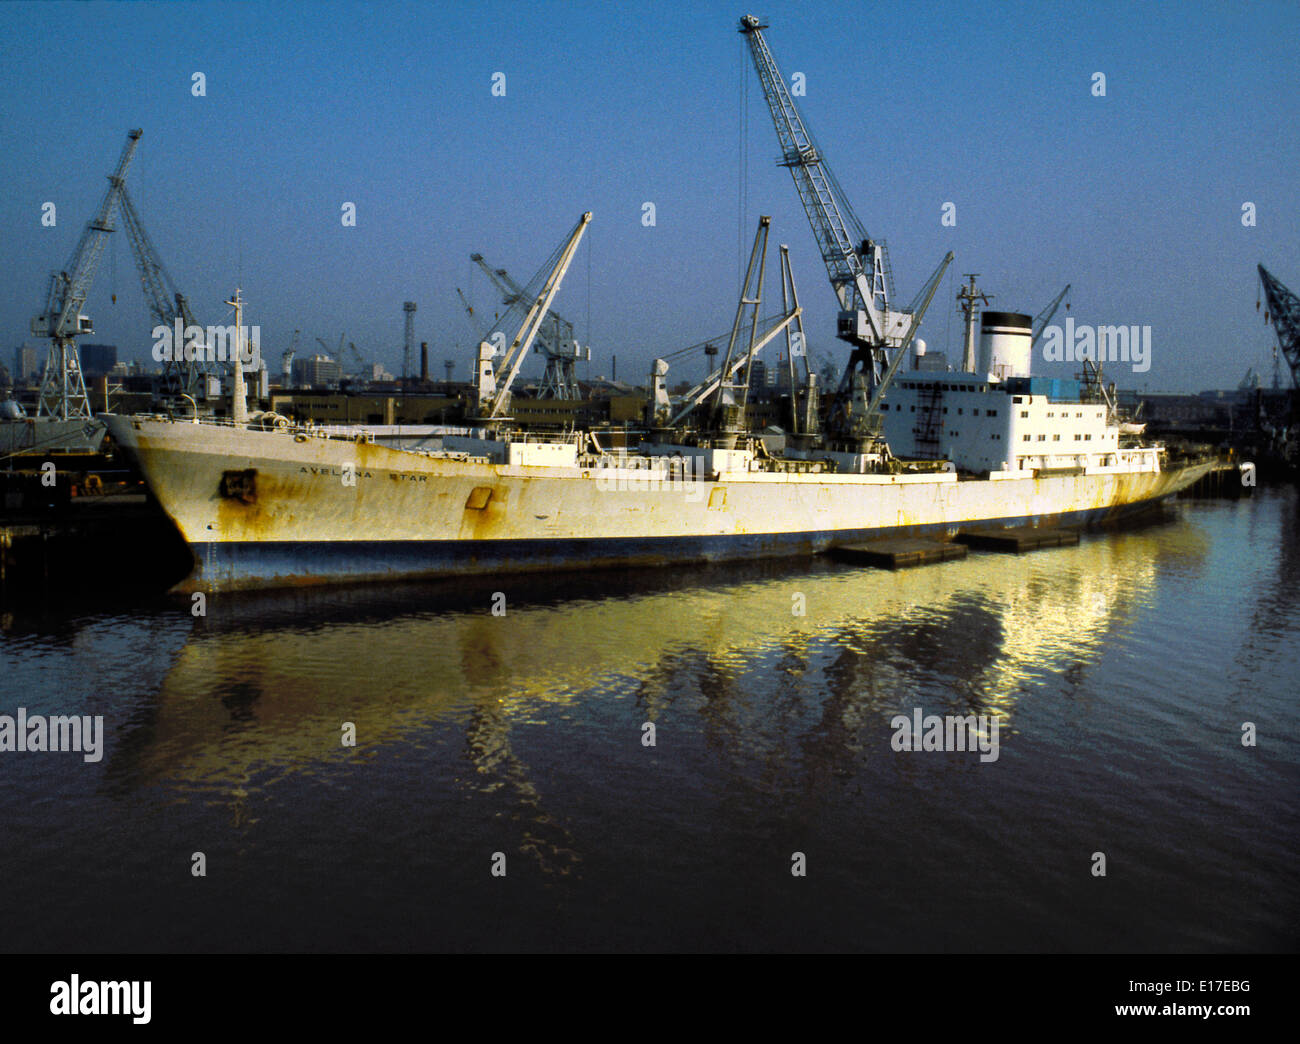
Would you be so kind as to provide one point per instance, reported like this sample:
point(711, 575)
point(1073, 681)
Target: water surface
point(1120, 672)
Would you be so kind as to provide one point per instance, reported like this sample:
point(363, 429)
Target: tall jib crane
point(858, 265)
point(63, 388)
point(1044, 318)
point(408, 341)
point(286, 360)
point(555, 338)
point(1282, 308)
point(182, 375)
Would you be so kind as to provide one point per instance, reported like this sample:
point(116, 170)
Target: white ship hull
point(268, 508)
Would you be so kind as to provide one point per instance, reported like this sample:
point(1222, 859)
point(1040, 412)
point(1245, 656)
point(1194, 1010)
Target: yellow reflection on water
point(253, 691)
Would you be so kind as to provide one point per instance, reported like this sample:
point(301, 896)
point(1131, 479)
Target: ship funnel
point(1006, 344)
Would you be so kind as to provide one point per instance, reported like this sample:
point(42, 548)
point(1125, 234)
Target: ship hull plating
point(263, 509)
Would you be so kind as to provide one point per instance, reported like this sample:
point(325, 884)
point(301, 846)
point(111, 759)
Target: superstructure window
point(1024, 413)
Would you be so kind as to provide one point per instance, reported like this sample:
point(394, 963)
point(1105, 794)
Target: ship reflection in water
point(265, 680)
point(1114, 671)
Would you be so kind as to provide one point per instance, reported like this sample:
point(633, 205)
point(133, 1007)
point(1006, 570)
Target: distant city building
point(318, 371)
point(27, 363)
point(97, 360)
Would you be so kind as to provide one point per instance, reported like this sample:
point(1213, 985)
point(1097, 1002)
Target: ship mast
point(238, 394)
point(967, 297)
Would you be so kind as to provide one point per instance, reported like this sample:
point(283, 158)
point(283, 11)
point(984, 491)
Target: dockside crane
point(858, 266)
point(363, 368)
point(408, 342)
point(286, 360)
point(1282, 308)
point(1044, 318)
point(182, 375)
point(555, 338)
point(63, 388)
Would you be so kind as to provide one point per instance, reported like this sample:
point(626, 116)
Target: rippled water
point(1120, 671)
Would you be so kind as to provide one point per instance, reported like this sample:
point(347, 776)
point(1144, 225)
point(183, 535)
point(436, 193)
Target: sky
point(1135, 198)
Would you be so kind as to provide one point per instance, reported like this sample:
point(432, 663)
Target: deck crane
point(63, 388)
point(493, 400)
point(1043, 318)
point(730, 396)
point(858, 265)
point(1282, 308)
point(181, 376)
point(803, 408)
point(555, 339)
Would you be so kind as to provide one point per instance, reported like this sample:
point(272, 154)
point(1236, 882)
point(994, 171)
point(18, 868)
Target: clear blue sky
point(1134, 198)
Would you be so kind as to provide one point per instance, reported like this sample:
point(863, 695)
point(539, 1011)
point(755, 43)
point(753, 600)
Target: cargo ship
point(263, 503)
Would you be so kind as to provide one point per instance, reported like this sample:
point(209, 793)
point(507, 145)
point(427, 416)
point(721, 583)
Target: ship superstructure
point(1001, 419)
